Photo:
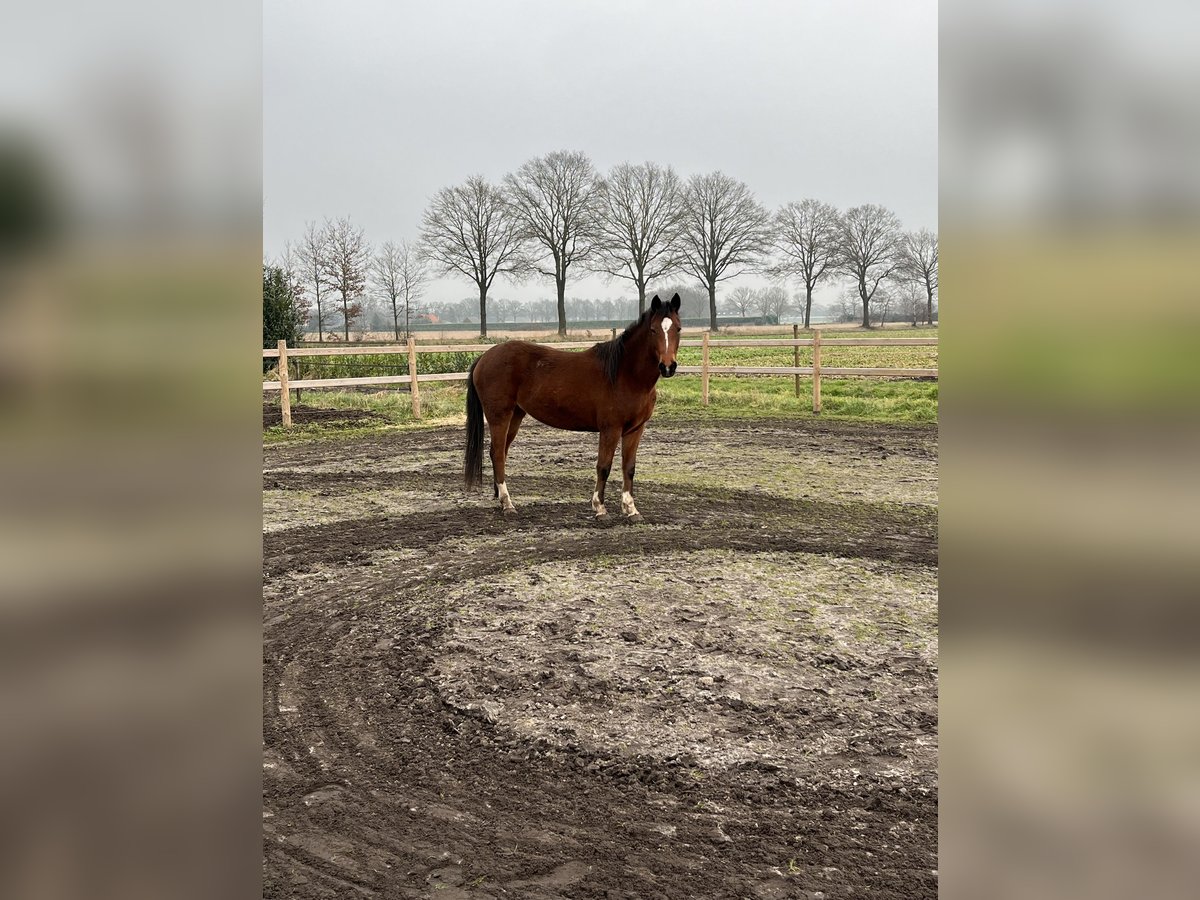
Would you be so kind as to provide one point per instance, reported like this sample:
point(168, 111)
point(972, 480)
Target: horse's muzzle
point(666, 371)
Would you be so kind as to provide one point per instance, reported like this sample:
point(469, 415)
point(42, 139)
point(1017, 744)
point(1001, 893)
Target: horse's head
point(664, 326)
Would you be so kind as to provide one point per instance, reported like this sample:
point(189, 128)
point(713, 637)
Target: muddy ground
point(315, 415)
point(736, 698)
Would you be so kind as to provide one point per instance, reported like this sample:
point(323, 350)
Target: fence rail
point(284, 385)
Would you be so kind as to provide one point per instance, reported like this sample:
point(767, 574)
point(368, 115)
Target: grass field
point(831, 353)
point(731, 397)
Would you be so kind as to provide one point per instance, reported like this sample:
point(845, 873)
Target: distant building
point(429, 318)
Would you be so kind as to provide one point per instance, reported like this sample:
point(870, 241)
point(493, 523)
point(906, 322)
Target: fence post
point(704, 371)
point(816, 367)
point(412, 375)
point(285, 398)
point(614, 334)
point(796, 354)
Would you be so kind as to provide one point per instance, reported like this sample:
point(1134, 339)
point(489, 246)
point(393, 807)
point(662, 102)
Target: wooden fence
point(284, 353)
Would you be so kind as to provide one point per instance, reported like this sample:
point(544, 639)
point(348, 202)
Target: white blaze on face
point(666, 326)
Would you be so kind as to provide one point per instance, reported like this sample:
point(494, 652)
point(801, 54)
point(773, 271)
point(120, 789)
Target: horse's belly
point(558, 408)
point(557, 416)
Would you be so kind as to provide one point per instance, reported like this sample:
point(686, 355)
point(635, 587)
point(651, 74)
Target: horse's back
point(522, 359)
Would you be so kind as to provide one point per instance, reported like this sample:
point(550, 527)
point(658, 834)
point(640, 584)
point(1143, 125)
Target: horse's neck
point(639, 364)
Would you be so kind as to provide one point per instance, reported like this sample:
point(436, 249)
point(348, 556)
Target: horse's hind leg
point(499, 427)
point(514, 423)
point(608, 446)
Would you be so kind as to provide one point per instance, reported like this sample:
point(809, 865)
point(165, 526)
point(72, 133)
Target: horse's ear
point(675, 303)
point(655, 304)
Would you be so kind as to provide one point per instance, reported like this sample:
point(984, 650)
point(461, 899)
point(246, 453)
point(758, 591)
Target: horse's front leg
point(629, 447)
point(608, 448)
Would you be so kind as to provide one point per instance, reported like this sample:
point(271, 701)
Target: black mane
point(612, 352)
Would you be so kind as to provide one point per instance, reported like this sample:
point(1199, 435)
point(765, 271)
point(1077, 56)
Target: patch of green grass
point(831, 354)
point(395, 406)
point(441, 404)
point(771, 396)
point(369, 364)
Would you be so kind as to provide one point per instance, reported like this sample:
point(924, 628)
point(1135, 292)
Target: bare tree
point(398, 277)
point(741, 300)
point(806, 236)
point(387, 284)
point(556, 198)
point(463, 311)
point(414, 269)
point(346, 267)
point(772, 300)
point(848, 304)
point(469, 230)
point(884, 301)
point(311, 256)
point(912, 301)
point(725, 232)
point(869, 239)
point(542, 309)
point(920, 263)
point(693, 298)
point(292, 265)
point(641, 210)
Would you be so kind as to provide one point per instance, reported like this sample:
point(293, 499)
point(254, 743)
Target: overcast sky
point(370, 106)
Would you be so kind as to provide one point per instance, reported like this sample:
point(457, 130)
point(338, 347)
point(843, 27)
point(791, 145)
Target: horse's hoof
point(508, 510)
point(635, 519)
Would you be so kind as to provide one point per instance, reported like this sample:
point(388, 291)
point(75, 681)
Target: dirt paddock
point(736, 698)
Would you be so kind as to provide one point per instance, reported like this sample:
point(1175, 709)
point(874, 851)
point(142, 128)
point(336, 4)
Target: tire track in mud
point(375, 787)
point(901, 534)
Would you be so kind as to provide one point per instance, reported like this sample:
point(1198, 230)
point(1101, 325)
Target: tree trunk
point(346, 316)
point(482, 311)
point(396, 320)
point(929, 306)
point(807, 305)
point(866, 302)
point(561, 284)
point(712, 305)
point(641, 298)
point(320, 324)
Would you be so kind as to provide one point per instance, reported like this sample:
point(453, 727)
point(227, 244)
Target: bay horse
point(608, 388)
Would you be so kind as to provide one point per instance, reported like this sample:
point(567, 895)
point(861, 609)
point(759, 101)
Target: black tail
point(473, 457)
